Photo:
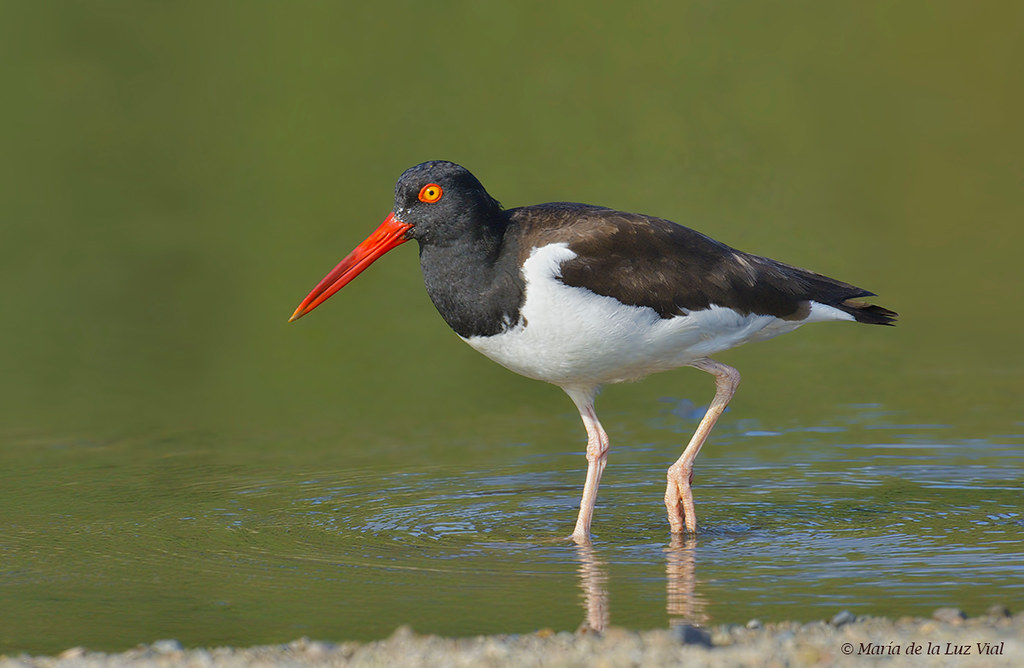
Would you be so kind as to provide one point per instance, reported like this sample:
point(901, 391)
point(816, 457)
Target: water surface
point(147, 538)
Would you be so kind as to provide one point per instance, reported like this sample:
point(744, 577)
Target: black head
point(439, 204)
point(441, 199)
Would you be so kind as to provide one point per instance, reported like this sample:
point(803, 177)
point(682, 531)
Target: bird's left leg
point(597, 458)
point(678, 495)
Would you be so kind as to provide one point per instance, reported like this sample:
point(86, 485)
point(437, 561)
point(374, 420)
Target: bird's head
point(435, 202)
point(441, 200)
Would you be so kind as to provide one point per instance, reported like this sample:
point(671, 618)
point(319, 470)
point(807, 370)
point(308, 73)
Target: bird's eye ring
point(430, 193)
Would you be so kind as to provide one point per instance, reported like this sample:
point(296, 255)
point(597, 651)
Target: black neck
point(473, 276)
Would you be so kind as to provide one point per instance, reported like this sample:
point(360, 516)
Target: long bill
point(390, 234)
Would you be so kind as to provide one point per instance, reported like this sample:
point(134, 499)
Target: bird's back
point(647, 261)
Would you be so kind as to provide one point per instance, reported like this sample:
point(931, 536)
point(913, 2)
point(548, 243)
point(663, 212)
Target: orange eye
point(430, 193)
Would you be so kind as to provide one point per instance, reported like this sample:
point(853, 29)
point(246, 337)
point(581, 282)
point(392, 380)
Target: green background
point(175, 177)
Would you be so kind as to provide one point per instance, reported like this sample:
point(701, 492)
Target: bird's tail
point(871, 314)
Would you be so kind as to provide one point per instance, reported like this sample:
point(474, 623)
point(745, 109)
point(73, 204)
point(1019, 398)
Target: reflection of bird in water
point(580, 296)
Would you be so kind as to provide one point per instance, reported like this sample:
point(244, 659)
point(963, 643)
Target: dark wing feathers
point(645, 261)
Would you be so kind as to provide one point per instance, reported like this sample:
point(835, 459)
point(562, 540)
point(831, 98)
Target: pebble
point(998, 611)
point(166, 646)
point(72, 653)
point(843, 618)
point(688, 634)
point(949, 615)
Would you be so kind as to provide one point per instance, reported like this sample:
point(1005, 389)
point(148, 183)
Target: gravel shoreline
point(947, 639)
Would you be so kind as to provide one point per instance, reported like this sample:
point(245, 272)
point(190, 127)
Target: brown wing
point(646, 261)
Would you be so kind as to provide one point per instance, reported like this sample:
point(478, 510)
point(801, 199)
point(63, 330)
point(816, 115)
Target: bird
point(581, 296)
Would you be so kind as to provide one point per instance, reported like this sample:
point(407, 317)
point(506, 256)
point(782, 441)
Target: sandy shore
point(947, 639)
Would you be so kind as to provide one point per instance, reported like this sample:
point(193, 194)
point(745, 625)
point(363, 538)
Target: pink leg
point(597, 458)
point(678, 495)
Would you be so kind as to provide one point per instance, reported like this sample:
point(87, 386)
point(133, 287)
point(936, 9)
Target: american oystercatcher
point(580, 296)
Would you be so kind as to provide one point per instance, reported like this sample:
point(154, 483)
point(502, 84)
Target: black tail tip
point(869, 314)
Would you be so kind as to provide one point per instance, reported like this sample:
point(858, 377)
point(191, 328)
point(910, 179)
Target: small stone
point(722, 637)
point(166, 646)
point(688, 634)
point(949, 615)
point(318, 648)
point(403, 632)
point(72, 653)
point(545, 632)
point(842, 618)
point(998, 611)
point(755, 624)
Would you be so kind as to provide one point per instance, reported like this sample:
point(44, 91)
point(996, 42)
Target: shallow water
point(152, 538)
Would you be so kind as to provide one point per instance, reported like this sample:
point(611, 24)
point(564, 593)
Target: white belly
point(575, 338)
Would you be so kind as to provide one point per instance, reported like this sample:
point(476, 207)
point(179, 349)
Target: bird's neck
point(473, 279)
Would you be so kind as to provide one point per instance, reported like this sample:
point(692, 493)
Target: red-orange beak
point(391, 233)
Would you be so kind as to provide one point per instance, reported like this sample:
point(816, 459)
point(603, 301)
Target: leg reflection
point(684, 605)
point(594, 583)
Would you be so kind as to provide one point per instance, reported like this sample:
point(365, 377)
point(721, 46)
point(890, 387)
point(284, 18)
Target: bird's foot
point(682, 516)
